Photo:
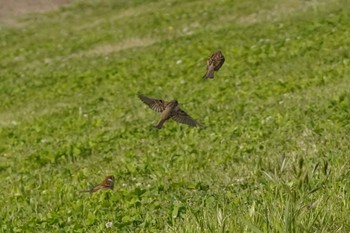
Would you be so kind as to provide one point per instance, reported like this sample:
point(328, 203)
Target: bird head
point(173, 103)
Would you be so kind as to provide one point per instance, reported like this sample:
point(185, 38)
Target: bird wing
point(154, 104)
point(219, 64)
point(182, 117)
point(218, 60)
point(96, 188)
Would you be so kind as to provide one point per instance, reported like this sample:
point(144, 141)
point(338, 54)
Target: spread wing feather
point(182, 117)
point(155, 104)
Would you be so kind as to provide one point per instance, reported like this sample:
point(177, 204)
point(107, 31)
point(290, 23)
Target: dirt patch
point(283, 9)
point(10, 9)
point(102, 49)
point(106, 49)
point(127, 44)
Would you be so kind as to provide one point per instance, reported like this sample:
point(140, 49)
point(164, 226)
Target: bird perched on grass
point(214, 63)
point(168, 110)
point(107, 183)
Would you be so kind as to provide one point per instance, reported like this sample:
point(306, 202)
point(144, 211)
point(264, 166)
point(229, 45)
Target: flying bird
point(107, 183)
point(168, 110)
point(214, 63)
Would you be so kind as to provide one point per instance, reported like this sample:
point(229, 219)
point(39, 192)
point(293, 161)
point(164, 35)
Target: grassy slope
point(274, 156)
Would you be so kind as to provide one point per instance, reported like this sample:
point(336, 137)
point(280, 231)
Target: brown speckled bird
point(168, 110)
point(214, 63)
point(107, 183)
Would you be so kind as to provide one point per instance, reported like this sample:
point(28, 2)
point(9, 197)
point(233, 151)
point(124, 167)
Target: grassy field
point(273, 157)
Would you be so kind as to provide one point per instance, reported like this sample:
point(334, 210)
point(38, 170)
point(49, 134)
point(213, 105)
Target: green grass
point(273, 157)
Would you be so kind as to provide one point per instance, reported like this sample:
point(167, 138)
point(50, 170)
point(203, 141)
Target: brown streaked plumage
point(214, 63)
point(168, 110)
point(107, 183)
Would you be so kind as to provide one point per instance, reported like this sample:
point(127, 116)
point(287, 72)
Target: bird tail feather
point(209, 74)
point(159, 125)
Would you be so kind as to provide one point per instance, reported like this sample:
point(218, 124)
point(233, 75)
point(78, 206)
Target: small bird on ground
point(214, 63)
point(107, 183)
point(168, 110)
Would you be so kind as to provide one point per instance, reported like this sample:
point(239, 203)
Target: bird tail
point(209, 74)
point(85, 191)
point(159, 125)
point(93, 189)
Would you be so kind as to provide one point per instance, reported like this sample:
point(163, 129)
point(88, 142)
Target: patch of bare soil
point(10, 9)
